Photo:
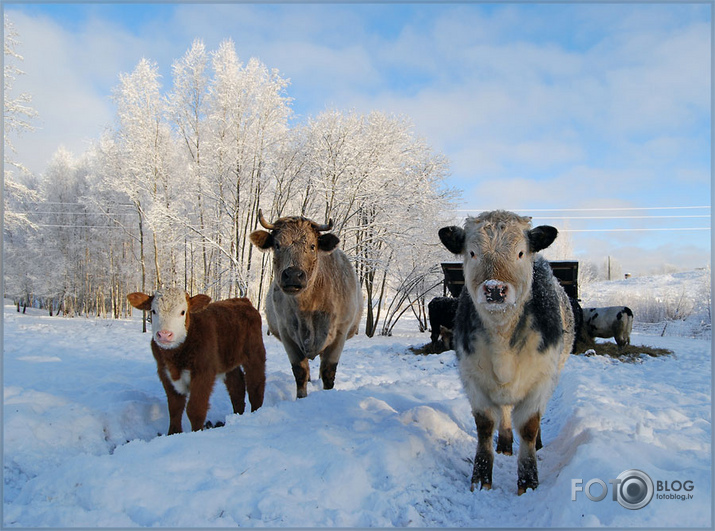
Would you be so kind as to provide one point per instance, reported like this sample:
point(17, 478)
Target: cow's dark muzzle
point(293, 280)
point(495, 292)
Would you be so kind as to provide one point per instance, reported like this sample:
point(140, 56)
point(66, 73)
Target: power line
point(64, 213)
point(78, 226)
point(635, 230)
point(590, 209)
point(127, 205)
point(706, 216)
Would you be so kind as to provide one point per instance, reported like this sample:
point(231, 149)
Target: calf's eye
point(183, 312)
point(521, 254)
point(471, 253)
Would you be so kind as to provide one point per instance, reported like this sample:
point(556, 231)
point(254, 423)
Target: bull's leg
point(539, 444)
point(301, 372)
point(505, 439)
point(528, 473)
point(236, 387)
point(484, 459)
point(299, 364)
point(327, 373)
point(198, 405)
point(329, 359)
point(176, 403)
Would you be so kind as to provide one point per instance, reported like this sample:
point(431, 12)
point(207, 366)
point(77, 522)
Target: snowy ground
point(390, 446)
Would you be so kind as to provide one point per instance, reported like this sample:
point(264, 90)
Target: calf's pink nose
point(165, 335)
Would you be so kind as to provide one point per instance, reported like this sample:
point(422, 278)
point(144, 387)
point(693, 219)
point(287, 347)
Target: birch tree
point(145, 150)
point(248, 119)
point(18, 116)
point(187, 107)
point(380, 184)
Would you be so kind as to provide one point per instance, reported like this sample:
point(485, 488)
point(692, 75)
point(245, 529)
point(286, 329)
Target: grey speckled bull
point(513, 333)
point(314, 303)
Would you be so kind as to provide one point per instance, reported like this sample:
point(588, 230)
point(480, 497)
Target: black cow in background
point(441, 312)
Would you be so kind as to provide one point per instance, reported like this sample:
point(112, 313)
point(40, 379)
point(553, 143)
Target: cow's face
point(170, 314)
point(297, 245)
point(498, 249)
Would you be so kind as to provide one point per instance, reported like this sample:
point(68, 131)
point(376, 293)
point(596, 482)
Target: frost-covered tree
point(18, 115)
point(248, 119)
point(382, 186)
point(145, 154)
point(181, 175)
point(19, 185)
point(187, 108)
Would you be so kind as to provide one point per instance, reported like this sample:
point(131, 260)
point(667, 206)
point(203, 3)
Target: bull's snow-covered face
point(296, 244)
point(498, 250)
point(170, 314)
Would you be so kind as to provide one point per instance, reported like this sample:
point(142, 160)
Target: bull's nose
point(293, 278)
point(495, 291)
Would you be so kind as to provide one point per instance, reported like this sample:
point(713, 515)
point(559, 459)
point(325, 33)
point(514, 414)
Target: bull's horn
point(264, 223)
point(323, 228)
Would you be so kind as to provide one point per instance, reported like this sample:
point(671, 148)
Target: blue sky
point(569, 107)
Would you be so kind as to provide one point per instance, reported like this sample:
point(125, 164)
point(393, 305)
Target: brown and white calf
point(612, 321)
point(194, 341)
point(513, 333)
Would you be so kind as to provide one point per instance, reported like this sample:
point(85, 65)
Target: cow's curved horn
point(264, 223)
point(323, 228)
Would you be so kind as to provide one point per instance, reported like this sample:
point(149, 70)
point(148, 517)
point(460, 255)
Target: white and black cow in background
point(513, 333)
point(612, 321)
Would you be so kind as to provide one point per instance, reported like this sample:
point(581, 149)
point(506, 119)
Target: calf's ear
point(198, 302)
point(141, 301)
point(328, 242)
point(452, 238)
point(262, 239)
point(541, 237)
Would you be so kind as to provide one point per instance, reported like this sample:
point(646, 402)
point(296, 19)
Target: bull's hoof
point(523, 486)
point(301, 394)
point(505, 441)
point(522, 490)
point(504, 446)
point(483, 486)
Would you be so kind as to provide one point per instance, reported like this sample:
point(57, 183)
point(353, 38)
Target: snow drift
point(391, 445)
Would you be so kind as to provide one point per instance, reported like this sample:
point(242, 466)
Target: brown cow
point(513, 333)
point(314, 303)
point(193, 342)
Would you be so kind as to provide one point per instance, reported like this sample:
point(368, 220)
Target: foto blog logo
point(632, 489)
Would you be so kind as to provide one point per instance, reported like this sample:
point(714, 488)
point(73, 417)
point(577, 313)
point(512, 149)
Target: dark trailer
point(565, 271)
